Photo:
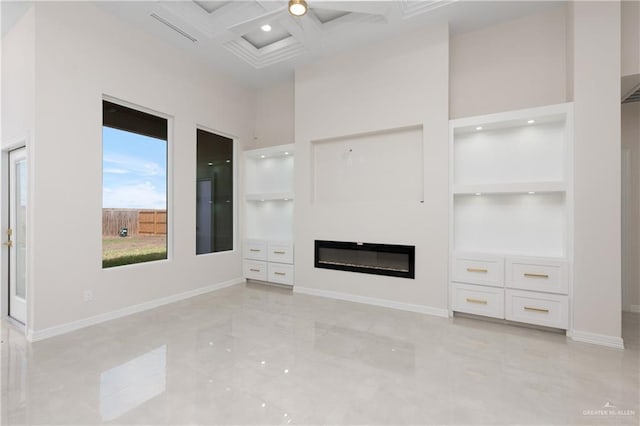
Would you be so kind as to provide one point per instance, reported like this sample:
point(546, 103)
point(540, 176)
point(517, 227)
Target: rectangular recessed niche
point(378, 259)
point(375, 167)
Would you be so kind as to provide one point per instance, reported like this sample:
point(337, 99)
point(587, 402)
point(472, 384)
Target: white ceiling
point(227, 35)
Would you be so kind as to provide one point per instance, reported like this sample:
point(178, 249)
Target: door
point(16, 234)
point(627, 230)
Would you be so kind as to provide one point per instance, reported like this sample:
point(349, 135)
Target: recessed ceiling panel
point(210, 6)
point(260, 39)
point(327, 15)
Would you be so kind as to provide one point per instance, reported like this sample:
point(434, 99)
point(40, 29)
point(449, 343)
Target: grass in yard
point(118, 251)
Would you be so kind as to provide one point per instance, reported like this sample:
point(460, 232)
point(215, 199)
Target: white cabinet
point(255, 270)
point(268, 214)
point(478, 300)
point(255, 249)
point(478, 269)
point(550, 310)
point(533, 274)
point(511, 215)
point(280, 252)
point(280, 273)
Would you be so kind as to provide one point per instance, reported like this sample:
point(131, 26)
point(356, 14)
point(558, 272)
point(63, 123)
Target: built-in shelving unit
point(269, 195)
point(512, 215)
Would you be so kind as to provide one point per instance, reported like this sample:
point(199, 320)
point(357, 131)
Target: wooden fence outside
point(152, 222)
point(137, 222)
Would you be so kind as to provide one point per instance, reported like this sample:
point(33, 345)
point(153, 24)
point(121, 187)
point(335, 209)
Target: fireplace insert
point(379, 259)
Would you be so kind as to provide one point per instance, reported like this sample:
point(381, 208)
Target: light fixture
point(211, 164)
point(266, 28)
point(479, 128)
point(531, 121)
point(286, 153)
point(297, 7)
point(531, 192)
point(262, 156)
point(478, 193)
point(228, 161)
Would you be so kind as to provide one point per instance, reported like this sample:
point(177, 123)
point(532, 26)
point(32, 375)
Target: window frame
point(235, 186)
point(169, 177)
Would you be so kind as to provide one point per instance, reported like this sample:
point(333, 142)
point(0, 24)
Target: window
point(214, 189)
point(134, 186)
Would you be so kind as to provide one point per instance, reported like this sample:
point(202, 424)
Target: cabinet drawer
point(537, 275)
point(280, 273)
point(478, 300)
point(478, 269)
point(255, 249)
point(550, 310)
point(255, 270)
point(280, 252)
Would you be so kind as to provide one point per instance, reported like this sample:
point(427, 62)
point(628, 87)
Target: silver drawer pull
point(529, 308)
point(536, 275)
point(478, 301)
point(482, 270)
point(254, 250)
point(280, 273)
point(279, 252)
point(254, 270)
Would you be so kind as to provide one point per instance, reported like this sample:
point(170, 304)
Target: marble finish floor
point(251, 354)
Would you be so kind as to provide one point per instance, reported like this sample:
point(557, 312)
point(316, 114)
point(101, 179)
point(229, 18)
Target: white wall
point(82, 53)
point(597, 270)
point(18, 79)
point(513, 65)
point(631, 234)
point(274, 116)
point(395, 83)
point(630, 16)
point(17, 112)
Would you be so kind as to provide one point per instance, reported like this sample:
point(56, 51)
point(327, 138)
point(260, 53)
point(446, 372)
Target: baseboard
point(444, 313)
point(36, 335)
point(632, 308)
point(597, 339)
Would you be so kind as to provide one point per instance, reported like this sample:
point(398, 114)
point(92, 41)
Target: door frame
point(22, 142)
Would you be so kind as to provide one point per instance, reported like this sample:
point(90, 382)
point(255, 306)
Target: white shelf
point(511, 195)
point(278, 196)
point(269, 193)
point(509, 188)
point(271, 152)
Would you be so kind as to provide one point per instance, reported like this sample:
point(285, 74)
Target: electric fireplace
point(379, 259)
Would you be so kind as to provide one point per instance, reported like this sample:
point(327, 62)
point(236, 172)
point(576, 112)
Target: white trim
point(632, 308)
point(597, 339)
point(36, 335)
point(422, 309)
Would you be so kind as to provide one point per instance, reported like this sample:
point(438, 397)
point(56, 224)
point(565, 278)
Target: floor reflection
point(131, 384)
point(364, 347)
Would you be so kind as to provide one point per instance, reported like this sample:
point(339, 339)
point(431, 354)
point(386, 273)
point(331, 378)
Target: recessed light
point(211, 164)
point(286, 199)
point(286, 153)
point(228, 161)
point(266, 28)
point(531, 192)
point(479, 128)
point(478, 193)
point(262, 156)
point(531, 121)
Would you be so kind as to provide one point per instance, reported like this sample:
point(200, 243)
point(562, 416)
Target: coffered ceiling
point(227, 35)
